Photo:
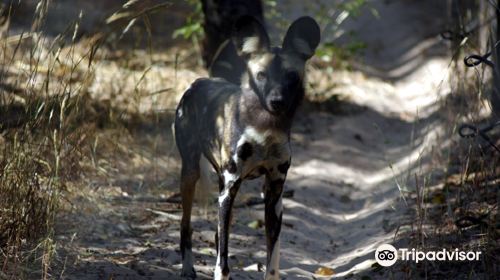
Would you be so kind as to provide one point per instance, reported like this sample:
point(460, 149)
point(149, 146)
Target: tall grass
point(42, 107)
point(56, 93)
point(459, 209)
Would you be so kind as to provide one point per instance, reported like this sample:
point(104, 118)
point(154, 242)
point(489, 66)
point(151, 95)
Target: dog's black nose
point(277, 104)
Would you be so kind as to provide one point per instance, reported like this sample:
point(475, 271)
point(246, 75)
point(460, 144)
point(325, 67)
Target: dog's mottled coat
point(244, 132)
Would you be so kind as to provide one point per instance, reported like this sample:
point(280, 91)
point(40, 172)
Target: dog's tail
point(205, 185)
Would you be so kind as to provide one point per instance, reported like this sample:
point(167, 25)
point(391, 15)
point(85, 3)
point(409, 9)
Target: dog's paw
point(188, 273)
point(272, 275)
point(218, 275)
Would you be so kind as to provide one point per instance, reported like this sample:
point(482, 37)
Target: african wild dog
point(244, 131)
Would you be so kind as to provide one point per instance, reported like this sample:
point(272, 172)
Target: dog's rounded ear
point(250, 36)
point(302, 37)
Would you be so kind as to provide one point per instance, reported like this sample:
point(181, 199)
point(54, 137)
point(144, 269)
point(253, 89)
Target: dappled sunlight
point(389, 168)
point(366, 139)
point(344, 216)
point(351, 179)
point(411, 98)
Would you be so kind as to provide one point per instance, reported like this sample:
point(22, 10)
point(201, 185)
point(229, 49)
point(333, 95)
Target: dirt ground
point(352, 167)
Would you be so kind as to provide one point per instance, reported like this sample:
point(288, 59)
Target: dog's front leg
point(273, 215)
point(229, 187)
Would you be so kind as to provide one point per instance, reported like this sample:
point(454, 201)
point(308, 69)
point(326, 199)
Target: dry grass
point(56, 93)
point(43, 84)
point(456, 205)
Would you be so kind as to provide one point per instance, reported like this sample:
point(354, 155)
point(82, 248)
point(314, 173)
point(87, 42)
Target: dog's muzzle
point(277, 105)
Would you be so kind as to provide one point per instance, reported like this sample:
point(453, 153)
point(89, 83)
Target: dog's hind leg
point(189, 149)
point(189, 175)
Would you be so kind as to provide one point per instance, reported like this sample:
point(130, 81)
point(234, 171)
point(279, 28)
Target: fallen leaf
point(256, 224)
point(324, 271)
point(207, 251)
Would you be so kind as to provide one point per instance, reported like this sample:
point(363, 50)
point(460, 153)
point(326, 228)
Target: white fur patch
point(253, 136)
point(219, 122)
point(180, 113)
point(218, 269)
point(223, 196)
point(250, 45)
point(218, 274)
point(260, 64)
point(228, 177)
point(274, 263)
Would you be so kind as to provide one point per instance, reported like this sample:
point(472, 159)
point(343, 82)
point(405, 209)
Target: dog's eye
point(261, 76)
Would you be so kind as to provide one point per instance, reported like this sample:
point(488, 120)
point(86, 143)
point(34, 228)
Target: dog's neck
point(254, 113)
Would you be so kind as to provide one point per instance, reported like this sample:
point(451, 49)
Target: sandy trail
point(347, 176)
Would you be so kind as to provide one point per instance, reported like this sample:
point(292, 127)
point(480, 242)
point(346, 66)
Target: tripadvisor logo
point(387, 255)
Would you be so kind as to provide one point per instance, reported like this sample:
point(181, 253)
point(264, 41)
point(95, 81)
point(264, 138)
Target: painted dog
point(243, 130)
